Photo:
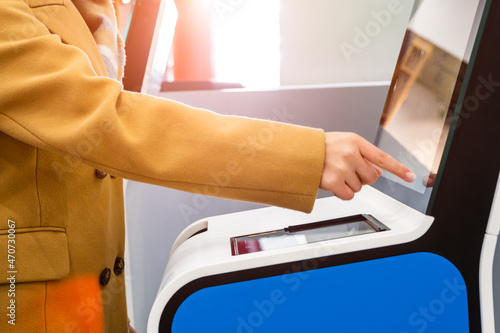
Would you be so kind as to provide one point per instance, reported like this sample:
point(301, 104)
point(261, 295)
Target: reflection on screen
point(424, 90)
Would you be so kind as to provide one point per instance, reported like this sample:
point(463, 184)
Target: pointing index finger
point(385, 161)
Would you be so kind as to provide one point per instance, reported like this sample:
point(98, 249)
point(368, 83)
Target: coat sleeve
point(52, 98)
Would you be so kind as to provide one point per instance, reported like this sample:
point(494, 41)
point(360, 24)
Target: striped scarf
point(101, 20)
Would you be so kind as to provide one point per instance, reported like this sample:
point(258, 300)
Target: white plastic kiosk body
point(275, 270)
point(395, 258)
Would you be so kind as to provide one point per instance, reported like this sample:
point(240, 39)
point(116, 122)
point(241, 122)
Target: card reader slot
point(307, 233)
point(370, 220)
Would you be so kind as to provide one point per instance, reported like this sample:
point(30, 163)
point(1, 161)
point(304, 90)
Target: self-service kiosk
point(397, 258)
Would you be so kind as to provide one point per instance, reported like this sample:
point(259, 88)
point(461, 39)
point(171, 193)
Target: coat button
point(119, 266)
point(105, 276)
point(100, 174)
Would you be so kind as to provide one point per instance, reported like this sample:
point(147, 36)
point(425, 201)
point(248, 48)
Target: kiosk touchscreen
point(398, 257)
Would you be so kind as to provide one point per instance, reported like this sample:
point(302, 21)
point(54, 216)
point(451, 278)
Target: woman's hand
point(351, 162)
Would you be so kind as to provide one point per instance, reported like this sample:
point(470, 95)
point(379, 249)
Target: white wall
point(331, 41)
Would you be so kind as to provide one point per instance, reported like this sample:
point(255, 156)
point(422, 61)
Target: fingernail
point(410, 176)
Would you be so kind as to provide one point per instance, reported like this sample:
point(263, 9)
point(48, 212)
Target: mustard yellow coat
point(69, 135)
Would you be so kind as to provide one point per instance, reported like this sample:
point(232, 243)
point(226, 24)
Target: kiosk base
point(408, 293)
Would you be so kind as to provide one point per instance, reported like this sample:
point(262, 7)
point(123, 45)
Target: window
point(246, 39)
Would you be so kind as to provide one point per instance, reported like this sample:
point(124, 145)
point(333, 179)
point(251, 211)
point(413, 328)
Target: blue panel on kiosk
point(409, 293)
